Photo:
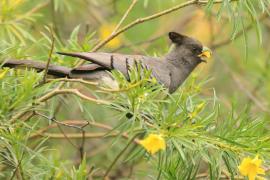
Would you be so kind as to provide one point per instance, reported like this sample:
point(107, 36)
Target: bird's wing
point(87, 68)
point(122, 63)
point(108, 61)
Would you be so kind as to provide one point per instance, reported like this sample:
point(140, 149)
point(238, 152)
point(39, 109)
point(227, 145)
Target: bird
point(170, 70)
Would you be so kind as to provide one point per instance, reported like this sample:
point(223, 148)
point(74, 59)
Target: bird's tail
point(58, 71)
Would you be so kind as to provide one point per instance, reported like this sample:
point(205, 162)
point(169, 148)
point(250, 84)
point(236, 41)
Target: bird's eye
point(196, 50)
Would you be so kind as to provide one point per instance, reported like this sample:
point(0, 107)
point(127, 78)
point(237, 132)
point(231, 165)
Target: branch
point(62, 123)
point(102, 89)
point(118, 156)
point(125, 16)
point(49, 58)
point(54, 93)
point(73, 80)
point(151, 17)
point(72, 122)
point(83, 123)
point(79, 135)
point(70, 91)
point(81, 128)
point(18, 171)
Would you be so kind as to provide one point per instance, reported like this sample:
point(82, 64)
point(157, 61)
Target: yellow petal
point(251, 167)
point(153, 143)
point(252, 175)
point(257, 161)
point(243, 168)
point(261, 171)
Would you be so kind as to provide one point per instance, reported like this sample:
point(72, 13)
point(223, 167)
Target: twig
point(125, 16)
point(73, 80)
point(79, 135)
point(103, 89)
point(116, 29)
point(18, 169)
point(70, 91)
point(66, 137)
point(54, 93)
point(118, 157)
point(61, 123)
point(54, 20)
point(151, 17)
point(81, 148)
point(50, 56)
point(81, 128)
point(69, 123)
point(73, 122)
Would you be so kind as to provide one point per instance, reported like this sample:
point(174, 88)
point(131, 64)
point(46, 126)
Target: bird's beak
point(206, 53)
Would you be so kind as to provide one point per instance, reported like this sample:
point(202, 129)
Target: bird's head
point(188, 51)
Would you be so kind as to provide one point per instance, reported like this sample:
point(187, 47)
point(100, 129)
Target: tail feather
point(77, 55)
point(102, 59)
point(59, 71)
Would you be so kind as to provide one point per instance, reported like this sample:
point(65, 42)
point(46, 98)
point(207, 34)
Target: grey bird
point(171, 70)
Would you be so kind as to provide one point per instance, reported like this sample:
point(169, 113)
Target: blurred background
point(237, 75)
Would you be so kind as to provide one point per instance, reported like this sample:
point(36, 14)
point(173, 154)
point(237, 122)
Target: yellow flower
point(3, 73)
point(105, 31)
point(251, 167)
point(197, 110)
point(153, 143)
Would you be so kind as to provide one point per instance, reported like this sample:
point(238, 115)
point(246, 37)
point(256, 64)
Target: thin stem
point(79, 135)
point(54, 93)
point(50, 57)
point(125, 16)
point(18, 170)
point(61, 123)
point(71, 91)
point(73, 80)
point(82, 123)
point(118, 156)
point(151, 17)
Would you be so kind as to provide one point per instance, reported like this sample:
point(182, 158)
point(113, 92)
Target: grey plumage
point(170, 70)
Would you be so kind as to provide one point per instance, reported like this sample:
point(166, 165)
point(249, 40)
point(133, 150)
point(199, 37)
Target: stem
point(151, 17)
point(54, 93)
point(118, 156)
point(125, 15)
point(49, 58)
